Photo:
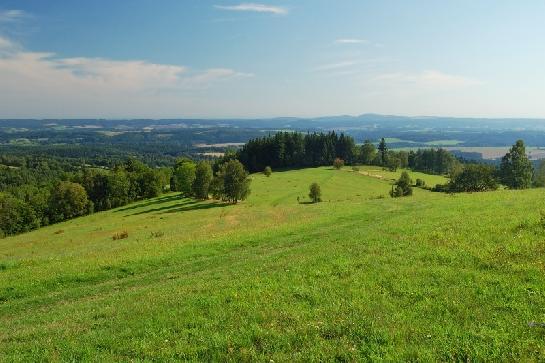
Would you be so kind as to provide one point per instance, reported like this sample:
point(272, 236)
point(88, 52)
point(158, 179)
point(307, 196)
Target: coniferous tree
point(515, 168)
point(402, 186)
point(383, 151)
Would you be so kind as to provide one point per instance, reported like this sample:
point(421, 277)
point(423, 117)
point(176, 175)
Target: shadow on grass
point(165, 199)
point(183, 206)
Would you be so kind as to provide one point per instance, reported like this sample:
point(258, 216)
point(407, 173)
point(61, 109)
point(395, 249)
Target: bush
point(402, 187)
point(120, 235)
point(315, 193)
point(338, 163)
point(474, 178)
point(267, 171)
point(157, 234)
point(420, 183)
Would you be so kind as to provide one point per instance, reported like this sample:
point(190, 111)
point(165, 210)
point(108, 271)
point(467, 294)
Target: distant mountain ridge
point(364, 121)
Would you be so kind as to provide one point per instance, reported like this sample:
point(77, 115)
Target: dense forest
point(296, 150)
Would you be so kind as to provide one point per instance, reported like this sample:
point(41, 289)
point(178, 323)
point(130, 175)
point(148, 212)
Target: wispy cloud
point(259, 8)
point(5, 43)
point(351, 41)
point(11, 15)
point(335, 66)
point(429, 78)
point(56, 85)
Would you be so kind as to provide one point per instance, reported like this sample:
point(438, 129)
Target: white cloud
point(351, 41)
point(5, 43)
point(429, 78)
point(11, 15)
point(334, 66)
point(260, 8)
point(45, 85)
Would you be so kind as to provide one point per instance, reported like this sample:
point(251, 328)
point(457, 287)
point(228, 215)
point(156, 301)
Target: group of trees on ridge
point(230, 182)
point(59, 195)
point(297, 150)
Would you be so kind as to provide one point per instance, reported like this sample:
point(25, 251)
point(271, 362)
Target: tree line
point(515, 171)
point(297, 150)
point(31, 198)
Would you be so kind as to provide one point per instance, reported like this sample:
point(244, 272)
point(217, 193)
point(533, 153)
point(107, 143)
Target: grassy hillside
point(357, 277)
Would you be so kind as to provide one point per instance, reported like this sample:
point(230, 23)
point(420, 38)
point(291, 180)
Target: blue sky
point(175, 58)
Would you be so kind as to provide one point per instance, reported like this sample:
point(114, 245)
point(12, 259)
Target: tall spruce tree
point(516, 169)
point(383, 151)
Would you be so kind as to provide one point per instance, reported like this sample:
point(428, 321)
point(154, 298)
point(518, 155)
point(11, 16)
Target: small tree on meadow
point(267, 171)
point(315, 193)
point(231, 183)
point(402, 186)
point(338, 163)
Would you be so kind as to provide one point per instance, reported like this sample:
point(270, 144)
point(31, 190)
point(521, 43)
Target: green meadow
point(358, 277)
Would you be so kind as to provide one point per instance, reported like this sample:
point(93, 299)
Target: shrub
point(315, 193)
point(267, 171)
point(120, 235)
point(338, 163)
point(157, 234)
point(402, 187)
point(474, 178)
point(420, 183)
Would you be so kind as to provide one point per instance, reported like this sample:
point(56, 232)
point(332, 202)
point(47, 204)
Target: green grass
point(357, 277)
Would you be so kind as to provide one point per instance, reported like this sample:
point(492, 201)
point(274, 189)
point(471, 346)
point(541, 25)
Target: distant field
point(534, 153)
point(395, 140)
point(487, 152)
point(358, 277)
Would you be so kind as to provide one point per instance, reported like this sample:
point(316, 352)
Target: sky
point(304, 58)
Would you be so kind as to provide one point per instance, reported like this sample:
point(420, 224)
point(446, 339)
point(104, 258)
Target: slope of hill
point(359, 276)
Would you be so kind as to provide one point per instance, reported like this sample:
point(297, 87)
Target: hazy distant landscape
point(486, 139)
